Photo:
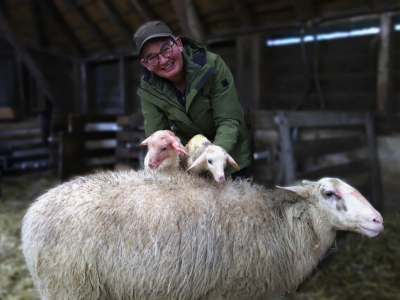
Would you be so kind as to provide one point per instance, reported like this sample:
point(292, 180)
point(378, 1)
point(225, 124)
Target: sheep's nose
point(221, 178)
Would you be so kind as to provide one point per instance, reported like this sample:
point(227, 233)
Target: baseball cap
point(149, 31)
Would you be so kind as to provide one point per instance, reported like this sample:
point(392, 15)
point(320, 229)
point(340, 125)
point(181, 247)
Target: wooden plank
point(385, 65)
point(38, 24)
point(339, 171)
point(128, 153)
point(304, 9)
point(7, 113)
point(286, 154)
point(314, 148)
point(99, 135)
point(26, 58)
point(244, 14)
point(116, 19)
point(63, 27)
point(90, 25)
point(96, 153)
point(318, 118)
point(191, 23)
point(377, 199)
point(145, 10)
point(248, 72)
point(128, 136)
point(262, 119)
point(133, 120)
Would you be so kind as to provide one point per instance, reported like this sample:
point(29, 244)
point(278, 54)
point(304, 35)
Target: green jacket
point(212, 106)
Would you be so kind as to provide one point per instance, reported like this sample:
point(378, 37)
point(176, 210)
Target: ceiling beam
point(243, 13)
point(38, 27)
point(190, 21)
point(63, 27)
point(83, 15)
point(116, 19)
point(25, 56)
point(304, 9)
point(145, 10)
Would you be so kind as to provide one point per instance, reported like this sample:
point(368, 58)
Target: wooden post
point(286, 147)
point(385, 66)
point(377, 199)
point(248, 66)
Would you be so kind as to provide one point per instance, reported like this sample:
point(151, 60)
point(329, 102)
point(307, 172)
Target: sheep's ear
point(306, 182)
point(179, 147)
point(232, 162)
point(198, 161)
point(297, 190)
point(145, 142)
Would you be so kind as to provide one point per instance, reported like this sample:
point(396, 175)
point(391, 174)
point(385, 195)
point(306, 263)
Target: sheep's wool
point(168, 235)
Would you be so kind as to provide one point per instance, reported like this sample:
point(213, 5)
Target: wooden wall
point(346, 75)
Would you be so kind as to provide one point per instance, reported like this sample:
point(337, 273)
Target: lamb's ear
point(298, 190)
point(232, 162)
point(198, 161)
point(179, 147)
point(145, 142)
point(306, 182)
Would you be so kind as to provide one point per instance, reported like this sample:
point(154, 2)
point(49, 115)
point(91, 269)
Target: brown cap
point(149, 31)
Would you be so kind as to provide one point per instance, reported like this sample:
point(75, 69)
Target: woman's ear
point(144, 64)
point(179, 43)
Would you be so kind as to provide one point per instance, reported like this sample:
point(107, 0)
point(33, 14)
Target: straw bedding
point(359, 268)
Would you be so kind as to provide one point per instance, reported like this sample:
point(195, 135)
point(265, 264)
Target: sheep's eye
point(209, 161)
point(329, 193)
point(163, 148)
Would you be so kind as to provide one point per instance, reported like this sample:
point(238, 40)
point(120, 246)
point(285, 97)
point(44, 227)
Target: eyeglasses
point(166, 51)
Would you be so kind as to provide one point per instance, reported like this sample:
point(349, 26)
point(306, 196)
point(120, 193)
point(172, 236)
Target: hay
point(360, 268)
point(18, 193)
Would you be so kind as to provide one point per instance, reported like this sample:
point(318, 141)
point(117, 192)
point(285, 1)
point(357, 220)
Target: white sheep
point(206, 157)
point(164, 150)
point(169, 235)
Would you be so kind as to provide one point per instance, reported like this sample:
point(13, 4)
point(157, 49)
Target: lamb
point(146, 235)
point(204, 156)
point(164, 150)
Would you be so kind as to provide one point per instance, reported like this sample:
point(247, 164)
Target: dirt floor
point(359, 268)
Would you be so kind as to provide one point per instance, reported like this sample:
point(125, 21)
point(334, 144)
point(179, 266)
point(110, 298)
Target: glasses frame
point(157, 54)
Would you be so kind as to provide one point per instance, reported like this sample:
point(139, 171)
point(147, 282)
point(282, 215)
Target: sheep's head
point(162, 145)
point(214, 159)
point(344, 206)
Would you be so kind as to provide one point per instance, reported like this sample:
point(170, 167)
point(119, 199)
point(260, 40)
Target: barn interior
point(316, 78)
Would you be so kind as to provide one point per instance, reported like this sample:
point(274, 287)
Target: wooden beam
point(145, 10)
point(248, 70)
point(304, 9)
point(37, 17)
point(116, 19)
point(385, 65)
point(244, 13)
point(90, 25)
point(65, 30)
point(190, 21)
point(25, 56)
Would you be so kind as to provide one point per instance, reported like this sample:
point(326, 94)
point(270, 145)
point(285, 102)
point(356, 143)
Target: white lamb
point(204, 156)
point(164, 150)
point(139, 235)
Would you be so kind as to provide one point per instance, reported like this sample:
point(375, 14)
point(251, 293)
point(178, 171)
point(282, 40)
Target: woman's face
point(169, 68)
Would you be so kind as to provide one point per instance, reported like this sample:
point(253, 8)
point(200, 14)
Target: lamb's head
point(342, 204)
point(214, 159)
point(162, 145)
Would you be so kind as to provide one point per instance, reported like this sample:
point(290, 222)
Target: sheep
point(164, 150)
point(204, 156)
point(169, 235)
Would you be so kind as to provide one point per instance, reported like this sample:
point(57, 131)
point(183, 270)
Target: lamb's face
point(162, 145)
point(346, 208)
point(216, 159)
point(342, 204)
